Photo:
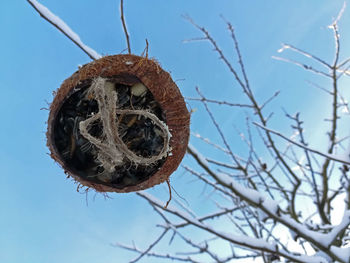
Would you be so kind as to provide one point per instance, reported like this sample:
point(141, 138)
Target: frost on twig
point(63, 27)
point(345, 161)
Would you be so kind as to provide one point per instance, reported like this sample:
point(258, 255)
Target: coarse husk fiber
point(130, 69)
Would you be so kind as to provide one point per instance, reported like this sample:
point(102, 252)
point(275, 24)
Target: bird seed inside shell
point(139, 133)
point(138, 89)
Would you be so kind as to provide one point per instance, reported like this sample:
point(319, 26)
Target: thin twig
point(221, 54)
point(238, 52)
point(339, 16)
point(304, 53)
point(169, 187)
point(124, 25)
point(344, 63)
point(328, 156)
point(304, 66)
point(345, 71)
point(145, 51)
point(219, 130)
point(158, 255)
point(315, 85)
point(206, 140)
point(300, 131)
point(220, 102)
point(270, 99)
point(63, 27)
point(150, 246)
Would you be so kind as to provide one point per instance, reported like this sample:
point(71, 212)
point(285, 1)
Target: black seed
point(140, 134)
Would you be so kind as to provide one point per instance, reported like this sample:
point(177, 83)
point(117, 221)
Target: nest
point(119, 124)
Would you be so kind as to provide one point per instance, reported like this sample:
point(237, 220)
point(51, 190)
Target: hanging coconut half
point(118, 124)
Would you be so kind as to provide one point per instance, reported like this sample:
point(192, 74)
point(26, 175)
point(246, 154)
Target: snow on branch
point(337, 230)
point(344, 253)
point(302, 65)
point(304, 53)
point(266, 205)
point(63, 27)
point(245, 241)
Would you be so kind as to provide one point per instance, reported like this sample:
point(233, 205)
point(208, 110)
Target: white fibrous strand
point(112, 149)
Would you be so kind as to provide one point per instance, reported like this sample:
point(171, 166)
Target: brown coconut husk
point(129, 69)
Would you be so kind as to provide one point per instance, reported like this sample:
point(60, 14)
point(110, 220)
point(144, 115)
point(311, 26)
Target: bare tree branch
point(304, 66)
point(245, 241)
point(304, 53)
point(63, 27)
point(259, 190)
point(328, 156)
point(124, 25)
point(220, 102)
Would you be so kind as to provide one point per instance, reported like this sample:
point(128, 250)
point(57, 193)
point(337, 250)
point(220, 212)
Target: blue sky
point(43, 218)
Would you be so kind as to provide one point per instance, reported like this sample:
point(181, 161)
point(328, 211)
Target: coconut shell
point(129, 69)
